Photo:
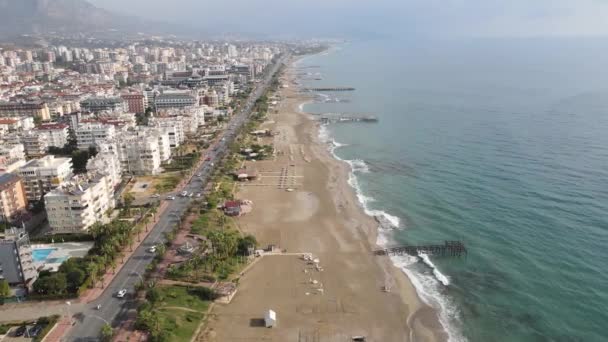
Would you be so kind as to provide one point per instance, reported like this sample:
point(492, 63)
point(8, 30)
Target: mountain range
point(18, 17)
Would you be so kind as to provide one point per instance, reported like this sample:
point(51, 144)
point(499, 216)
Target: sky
point(314, 18)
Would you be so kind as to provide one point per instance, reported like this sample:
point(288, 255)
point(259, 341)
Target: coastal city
point(303, 171)
point(119, 173)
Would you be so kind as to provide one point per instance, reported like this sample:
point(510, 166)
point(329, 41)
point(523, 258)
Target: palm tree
point(145, 222)
point(113, 264)
point(153, 211)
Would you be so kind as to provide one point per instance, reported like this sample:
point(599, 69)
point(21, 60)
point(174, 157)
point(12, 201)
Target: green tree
point(5, 290)
point(107, 333)
point(245, 243)
point(75, 278)
point(127, 200)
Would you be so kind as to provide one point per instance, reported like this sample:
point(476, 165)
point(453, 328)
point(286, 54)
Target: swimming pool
point(42, 253)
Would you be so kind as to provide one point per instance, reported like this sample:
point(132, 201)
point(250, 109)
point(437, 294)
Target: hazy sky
point(352, 17)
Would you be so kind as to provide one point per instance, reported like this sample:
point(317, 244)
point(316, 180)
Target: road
point(114, 310)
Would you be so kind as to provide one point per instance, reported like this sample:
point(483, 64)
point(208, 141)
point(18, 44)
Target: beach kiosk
point(270, 319)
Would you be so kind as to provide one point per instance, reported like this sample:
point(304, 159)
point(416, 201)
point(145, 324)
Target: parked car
point(20, 331)
point(198, 194)
point(184, 193)
point(170, 198)
point(152, 249)
point(35, 331)
point(155, 196)
point(121, 293)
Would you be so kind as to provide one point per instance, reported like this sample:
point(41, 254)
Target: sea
point(499, 143)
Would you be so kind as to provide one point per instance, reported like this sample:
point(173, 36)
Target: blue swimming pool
point(42, 253)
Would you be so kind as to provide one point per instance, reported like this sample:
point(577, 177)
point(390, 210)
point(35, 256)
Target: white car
point(198, 194)
point(184, 193)
point(152, 249)
point(121, 293)
point(155, 196)
point(191, 194)
point(170, 198)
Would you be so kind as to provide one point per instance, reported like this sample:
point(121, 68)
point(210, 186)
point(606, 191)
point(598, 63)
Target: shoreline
point(423, 319)
point(303, 203)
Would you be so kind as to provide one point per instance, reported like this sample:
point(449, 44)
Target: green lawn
point(180, 325)
point(179, 296)
point(167, 182)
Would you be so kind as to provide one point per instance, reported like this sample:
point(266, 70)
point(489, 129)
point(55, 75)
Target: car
point(190, 194)
point(198, 194)
point(35, 331)
point(199, 174)
point(155, 196)
point(184, 193)
point(152, 249)
point(121, 293)
point(170, 198)
point(20, 331)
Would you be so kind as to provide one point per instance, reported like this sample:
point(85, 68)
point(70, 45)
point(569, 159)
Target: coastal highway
point(89, 322)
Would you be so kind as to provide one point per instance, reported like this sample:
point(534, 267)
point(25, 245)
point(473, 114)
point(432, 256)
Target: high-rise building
point(136, 102)
point(13, 200)
point(76, 205)
point(17, 265)
point(42, 175)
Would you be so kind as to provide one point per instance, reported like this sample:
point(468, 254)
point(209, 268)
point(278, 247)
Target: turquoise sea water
point(500, 143)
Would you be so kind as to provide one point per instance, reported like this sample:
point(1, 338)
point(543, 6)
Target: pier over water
point(449, 248)
point(329, 89)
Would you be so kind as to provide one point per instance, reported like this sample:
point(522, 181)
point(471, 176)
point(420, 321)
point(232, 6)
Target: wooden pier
point(329, 89)
point(449, 248)
point(348, 118)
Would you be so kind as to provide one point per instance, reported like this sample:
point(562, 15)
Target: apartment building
point(77, 204)
point(12, 157)
point(93, 134)
point(136, 102)
point(42, 175)
point(39, 109)
point(35, 145)
point(57, 134)
point(100, 104)
point(173, 126)
point(106, 161)
point(13, 200)
point(139, 153)
point(17, 265)
point(174, 100)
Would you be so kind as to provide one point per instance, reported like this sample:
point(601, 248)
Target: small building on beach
point(246, 174)
point(232, 208)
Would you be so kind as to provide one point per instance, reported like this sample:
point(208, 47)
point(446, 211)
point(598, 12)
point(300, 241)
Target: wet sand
point(320, 216)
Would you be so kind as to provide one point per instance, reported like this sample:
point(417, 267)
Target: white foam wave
point(358, 165)
point(442, 278)
point(430, 291)
point(429, 287)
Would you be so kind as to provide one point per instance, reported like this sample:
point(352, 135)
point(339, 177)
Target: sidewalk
point(61, 327)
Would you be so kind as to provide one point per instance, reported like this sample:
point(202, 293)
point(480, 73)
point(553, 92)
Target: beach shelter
point(270, 319)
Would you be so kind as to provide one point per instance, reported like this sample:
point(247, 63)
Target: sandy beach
point(320, 216)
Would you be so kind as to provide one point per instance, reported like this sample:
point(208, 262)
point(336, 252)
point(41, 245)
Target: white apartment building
point(78, 204)
point(12, 157)
point(173, 126)
point(139, 154)
point(93, 134)
point(35, 145)
point(57, 134)
point(106, 161)
point(42, 175)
